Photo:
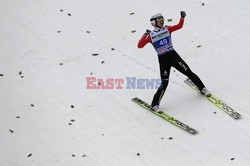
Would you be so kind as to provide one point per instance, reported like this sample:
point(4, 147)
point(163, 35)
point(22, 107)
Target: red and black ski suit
point(160, 38)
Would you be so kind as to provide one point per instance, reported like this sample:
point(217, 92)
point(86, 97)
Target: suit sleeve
point(145, 39)
point(176, 27)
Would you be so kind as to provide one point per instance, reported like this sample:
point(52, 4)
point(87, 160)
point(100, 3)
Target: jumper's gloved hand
point(147, 32)
point(183, 14)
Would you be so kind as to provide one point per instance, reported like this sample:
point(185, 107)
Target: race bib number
point(163, 45)
point(163, 42)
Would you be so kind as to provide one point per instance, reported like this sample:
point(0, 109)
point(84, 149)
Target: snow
point(49, 117)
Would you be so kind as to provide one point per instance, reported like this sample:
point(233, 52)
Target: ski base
point(165, 116)
point(216, 101)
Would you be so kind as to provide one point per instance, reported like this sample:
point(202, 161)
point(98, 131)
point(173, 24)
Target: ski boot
point(205, 92)
point(156, 109)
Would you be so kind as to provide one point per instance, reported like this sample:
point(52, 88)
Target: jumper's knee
point(164, 84)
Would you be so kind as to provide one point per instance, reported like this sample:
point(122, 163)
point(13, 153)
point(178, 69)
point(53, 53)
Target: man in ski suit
point(160, 38)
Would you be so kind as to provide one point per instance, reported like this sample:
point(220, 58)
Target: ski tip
point(135, 98)
point(194, 132)
point(237, 117)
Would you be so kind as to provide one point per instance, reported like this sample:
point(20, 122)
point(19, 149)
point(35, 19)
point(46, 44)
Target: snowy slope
point(48, 116)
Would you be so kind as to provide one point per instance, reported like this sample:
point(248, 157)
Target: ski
point(165, 116)
point(216, 101)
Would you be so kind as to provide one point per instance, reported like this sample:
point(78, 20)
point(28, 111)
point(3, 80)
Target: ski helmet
point(155, 18)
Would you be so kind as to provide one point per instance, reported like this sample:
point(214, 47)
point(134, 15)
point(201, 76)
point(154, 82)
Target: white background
point(107, 129)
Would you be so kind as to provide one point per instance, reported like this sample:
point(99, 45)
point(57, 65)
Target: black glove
point(147, 32)
point(183, 14)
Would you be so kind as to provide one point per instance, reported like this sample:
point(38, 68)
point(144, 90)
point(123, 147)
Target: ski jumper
point(161, 40)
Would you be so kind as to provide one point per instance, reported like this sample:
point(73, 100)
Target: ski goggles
point(159, 18)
